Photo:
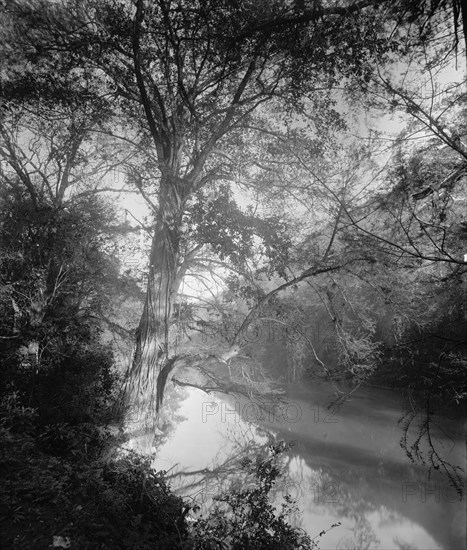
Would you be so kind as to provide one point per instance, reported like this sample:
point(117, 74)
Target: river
point(347, 465)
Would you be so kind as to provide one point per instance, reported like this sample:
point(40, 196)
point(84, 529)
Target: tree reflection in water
point(431, 443)
point(224, 472)
point(356, 459)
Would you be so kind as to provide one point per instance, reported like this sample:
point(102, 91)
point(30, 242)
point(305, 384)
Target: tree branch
point(308, 16)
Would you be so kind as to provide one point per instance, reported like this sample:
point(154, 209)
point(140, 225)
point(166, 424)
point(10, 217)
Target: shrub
point(246, 518)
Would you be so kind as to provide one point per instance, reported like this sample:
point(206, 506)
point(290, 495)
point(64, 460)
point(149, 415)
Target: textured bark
point(168, 107)
point(153, 355)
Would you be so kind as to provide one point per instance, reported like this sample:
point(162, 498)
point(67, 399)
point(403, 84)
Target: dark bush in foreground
point(57, 488)
point(120, 503)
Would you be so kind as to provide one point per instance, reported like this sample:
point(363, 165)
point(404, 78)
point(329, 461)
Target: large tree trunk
point(154, 356)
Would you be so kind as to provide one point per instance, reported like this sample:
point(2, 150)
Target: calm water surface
point(346, 465)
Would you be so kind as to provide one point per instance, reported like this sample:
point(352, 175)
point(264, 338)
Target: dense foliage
point(60, 490)
point(266, 215)
point(67, 480)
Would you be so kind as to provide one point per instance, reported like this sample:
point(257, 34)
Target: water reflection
point(347, 466)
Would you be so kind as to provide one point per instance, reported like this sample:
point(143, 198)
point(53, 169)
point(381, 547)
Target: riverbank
point(62, 484)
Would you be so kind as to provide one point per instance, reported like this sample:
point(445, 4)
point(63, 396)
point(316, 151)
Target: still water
point(347, 465)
